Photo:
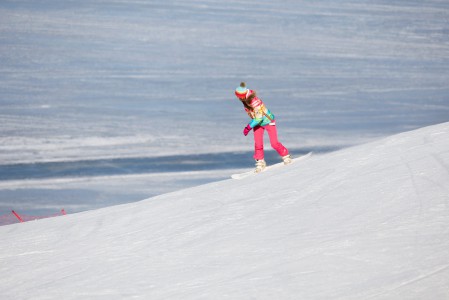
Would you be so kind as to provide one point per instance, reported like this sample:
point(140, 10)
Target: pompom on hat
point(241, 91)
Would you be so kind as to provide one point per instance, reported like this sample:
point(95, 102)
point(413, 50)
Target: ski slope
point(367, 222)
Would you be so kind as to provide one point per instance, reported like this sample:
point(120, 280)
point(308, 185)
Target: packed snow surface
point(366, 222)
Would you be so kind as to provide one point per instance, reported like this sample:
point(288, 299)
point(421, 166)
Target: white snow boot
point(260, 166)
point(287, 159)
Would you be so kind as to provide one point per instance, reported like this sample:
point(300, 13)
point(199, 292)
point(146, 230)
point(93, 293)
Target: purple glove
point(246, 130)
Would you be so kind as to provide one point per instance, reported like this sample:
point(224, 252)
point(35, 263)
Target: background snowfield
point(98, 82)
point(365, 222)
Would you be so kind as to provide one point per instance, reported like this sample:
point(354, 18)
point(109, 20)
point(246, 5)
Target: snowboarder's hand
point(246, 130)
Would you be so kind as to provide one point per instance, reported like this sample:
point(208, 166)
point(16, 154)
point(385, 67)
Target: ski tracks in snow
point(413, 280)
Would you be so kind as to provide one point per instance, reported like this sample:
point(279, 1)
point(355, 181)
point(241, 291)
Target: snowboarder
point(261, 119)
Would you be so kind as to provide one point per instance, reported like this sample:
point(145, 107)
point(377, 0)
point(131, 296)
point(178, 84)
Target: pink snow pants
point(273, 135)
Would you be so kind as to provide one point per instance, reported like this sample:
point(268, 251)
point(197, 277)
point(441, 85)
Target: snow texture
point(367, 222)
point(106, 102)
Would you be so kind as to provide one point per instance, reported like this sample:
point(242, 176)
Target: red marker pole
point(18, 217)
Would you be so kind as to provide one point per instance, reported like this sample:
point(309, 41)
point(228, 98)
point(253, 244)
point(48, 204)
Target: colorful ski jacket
point(260, 115)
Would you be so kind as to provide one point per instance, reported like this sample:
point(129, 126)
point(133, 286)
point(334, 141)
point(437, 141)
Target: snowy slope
point(368, 222)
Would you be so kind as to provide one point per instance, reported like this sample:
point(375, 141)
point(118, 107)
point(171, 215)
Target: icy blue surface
point(93, 80)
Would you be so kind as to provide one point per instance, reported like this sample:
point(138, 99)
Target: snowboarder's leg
point(258, 142)
point(272, 133)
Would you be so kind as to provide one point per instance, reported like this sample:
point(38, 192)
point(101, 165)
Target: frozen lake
point(126, 82)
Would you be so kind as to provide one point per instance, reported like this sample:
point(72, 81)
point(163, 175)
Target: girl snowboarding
point(261, 120)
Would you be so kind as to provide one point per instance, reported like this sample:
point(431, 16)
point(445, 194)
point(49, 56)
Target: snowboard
point(268, 168)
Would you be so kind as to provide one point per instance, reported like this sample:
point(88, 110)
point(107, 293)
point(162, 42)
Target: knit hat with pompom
point(241, 91)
